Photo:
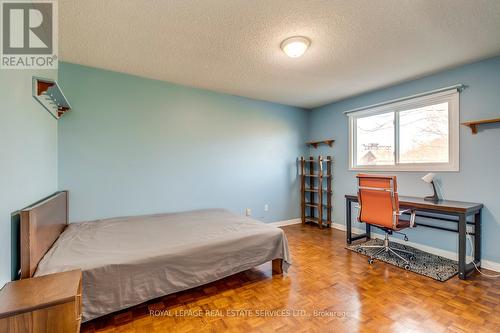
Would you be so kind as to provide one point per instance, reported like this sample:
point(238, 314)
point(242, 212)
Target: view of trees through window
point(375, 139)
point(423, 136)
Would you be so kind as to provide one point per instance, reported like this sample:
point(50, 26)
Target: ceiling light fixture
point(295, 46)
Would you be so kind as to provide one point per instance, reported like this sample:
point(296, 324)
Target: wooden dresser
point(50, 303)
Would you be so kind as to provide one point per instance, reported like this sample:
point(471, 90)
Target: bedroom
point(190, 118)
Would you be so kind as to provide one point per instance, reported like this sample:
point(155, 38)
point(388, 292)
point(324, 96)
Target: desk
point(455, 212)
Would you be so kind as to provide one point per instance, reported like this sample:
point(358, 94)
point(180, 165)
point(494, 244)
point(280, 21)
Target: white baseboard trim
point(286, 222)
point(491, 265)
point(487, 264)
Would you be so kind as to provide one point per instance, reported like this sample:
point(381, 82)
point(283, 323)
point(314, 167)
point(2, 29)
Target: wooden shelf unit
point(474, 124)
point(315, 197)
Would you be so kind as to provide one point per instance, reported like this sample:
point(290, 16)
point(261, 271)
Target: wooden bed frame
point(41, 225)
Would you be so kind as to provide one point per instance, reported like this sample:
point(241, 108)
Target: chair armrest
point(358, 207)
point(413, 215)
point(401, 212)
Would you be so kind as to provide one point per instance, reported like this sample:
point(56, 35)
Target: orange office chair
point(378, 204)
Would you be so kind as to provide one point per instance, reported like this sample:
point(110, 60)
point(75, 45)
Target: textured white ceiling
point(232, 46)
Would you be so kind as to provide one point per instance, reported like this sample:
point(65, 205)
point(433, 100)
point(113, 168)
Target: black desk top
point(448, 206)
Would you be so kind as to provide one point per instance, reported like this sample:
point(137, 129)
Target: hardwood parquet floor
point(327, 289)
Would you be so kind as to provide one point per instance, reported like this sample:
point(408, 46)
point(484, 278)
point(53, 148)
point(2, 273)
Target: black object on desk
point(457, 209)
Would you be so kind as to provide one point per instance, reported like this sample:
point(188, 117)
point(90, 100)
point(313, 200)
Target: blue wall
point(137, 146)
point(28, 153)
point(478, 179)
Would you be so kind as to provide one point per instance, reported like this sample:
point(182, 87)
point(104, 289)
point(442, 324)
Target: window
point(418, 134)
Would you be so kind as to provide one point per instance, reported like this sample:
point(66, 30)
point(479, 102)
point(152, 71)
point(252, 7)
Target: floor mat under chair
point(430, 265)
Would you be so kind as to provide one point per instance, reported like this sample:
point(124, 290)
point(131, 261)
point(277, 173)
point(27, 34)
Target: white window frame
point(453, 100)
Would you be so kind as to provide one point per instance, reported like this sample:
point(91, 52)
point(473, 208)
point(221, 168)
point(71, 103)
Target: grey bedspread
point(129, 260)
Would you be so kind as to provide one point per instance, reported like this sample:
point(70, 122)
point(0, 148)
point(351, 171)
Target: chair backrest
point(378, 200)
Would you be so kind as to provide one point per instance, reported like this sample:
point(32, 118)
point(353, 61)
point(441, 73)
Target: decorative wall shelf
point(48, 93)
point(473, 124)
point(315, 144)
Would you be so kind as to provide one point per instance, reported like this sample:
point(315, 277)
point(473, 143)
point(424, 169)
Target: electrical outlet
point(266, 207)
point(248, 212)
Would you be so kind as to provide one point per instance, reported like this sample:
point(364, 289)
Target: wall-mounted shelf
point(48, 93)
point(315, 144)
point(473, 124)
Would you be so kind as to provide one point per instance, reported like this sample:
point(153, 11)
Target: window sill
point(407, 168)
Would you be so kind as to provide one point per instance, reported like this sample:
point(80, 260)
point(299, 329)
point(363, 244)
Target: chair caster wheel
point(360, 250)
point(370, 261)
point(407, 267)
point(406, 238)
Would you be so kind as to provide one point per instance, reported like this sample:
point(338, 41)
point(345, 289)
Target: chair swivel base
point(390, 250)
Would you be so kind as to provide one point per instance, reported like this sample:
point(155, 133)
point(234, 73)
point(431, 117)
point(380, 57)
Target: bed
point(128, 260)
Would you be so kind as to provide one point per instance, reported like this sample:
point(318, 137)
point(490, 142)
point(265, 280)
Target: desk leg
point(477, 237)
point(348, 220)
point(462, 248)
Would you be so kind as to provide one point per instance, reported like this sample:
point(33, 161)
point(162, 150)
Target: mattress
point(128, 260)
